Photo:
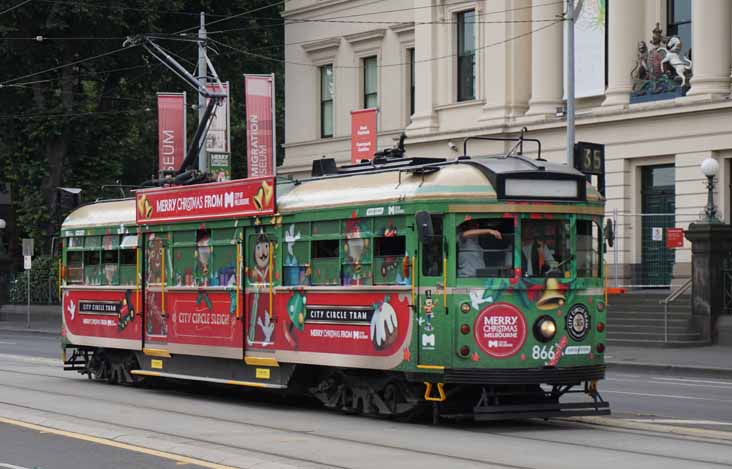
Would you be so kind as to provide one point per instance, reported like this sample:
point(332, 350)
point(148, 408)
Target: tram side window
point(589, 249)
point(357, 257)
point(389, 255)
point(296, 262)
point(485, 248)
point(128, 260)
point(432, 251)
point(110, 267)
point(545, 248)
point(92, 271)
point(325, 262)
point(74, 267)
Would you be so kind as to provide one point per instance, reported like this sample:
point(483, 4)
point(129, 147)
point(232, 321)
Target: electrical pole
point(569, 73)
point(202, 71)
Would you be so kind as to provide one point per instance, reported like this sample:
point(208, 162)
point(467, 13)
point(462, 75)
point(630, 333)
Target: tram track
point(283, 429)
point(238, 422)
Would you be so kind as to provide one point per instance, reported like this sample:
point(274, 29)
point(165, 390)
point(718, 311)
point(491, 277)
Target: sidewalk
point(44, 319)
point(708, 360)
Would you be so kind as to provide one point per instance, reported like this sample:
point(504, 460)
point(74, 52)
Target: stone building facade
point(446, 69)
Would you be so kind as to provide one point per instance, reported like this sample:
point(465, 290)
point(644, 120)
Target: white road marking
point(680, 422)
point(10, 466)
point(663, 378)
point(8, 343)
point(28, 359)
point(669, 396)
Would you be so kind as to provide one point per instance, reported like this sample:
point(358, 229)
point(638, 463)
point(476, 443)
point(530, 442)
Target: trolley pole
point(202, 70)
point(569, 73)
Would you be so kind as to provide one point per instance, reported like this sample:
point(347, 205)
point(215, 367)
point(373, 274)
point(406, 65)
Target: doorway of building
point(658, 207)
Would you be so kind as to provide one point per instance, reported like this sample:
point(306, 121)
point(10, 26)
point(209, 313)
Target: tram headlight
point(545, 329)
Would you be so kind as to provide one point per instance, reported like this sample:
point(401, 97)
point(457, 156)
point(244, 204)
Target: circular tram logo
point(578, 322)
point(500, 330)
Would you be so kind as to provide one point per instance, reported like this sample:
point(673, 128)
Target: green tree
point(95, 123)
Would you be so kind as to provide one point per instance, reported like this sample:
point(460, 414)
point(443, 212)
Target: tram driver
point(537, 258)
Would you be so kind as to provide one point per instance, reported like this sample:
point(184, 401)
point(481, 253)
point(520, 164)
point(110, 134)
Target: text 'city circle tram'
point(472, 287)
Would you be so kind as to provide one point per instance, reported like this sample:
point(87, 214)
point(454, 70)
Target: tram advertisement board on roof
point(240, 198)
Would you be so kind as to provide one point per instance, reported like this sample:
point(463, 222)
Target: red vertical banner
point(171, 130)
point(363, 135)
point(259, 96)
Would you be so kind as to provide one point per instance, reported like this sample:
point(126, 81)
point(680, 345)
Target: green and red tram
point(472, 287)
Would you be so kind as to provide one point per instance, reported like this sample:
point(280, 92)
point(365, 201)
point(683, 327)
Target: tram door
point(156, 324)
point(434, 339)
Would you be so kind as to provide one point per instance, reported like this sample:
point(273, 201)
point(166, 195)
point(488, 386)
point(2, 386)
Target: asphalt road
point(30, 344)
point(30, 449)
point(690, 423)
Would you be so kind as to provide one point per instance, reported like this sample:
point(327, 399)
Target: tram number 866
point(544, 352)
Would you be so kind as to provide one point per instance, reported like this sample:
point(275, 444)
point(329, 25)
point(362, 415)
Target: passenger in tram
point(470, 252)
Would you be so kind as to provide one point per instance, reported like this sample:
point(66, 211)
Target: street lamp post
point(710, 168)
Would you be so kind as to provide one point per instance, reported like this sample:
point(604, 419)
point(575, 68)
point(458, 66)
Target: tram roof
point(470, 180)
point(106, 213)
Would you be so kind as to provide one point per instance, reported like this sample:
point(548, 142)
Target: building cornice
point(357, 39)
point(321, 45)
point(403, 28)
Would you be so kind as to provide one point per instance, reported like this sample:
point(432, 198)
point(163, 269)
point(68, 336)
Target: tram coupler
point(435, 399)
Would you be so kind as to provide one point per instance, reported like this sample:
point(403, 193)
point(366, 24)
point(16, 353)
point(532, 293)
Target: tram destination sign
point(240, 198)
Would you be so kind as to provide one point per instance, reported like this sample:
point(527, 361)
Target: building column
point(546, 60)
point(624, 32)
point(424, 120)
point(710, 29)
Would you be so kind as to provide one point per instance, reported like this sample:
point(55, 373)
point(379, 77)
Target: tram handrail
point(670, 299)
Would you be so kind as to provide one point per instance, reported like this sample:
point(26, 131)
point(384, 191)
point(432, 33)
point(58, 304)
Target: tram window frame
point(263, 235)
point(128, 260)
point(296, 267)
point(594, 269)
point(92, 267)
point(433, 251)
point(507, 228)
point(357, 234)
point(555, 259)
point(74, 270)
point(325, 254)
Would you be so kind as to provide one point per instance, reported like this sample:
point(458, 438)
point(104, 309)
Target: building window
point(370, 76)
point(679, 23)
point(466, 55)
point(326, 101)
point(411, 81)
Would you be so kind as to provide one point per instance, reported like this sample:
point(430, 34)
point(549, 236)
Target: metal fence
point(640, 257)
point(43, 290)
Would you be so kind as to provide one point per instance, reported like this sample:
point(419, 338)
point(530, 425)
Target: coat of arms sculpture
point(661, 71)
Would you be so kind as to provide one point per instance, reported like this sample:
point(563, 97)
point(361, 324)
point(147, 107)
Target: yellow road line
point(115, 444)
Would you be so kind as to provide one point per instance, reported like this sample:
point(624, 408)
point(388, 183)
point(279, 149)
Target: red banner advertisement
point(363, 135)
point(171, 130)
point(240, 198)
point(259, 96)
point(674, 238)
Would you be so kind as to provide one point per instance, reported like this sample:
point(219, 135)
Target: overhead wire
point(121, 7)
point(71, 115)
point(14, 7)
point(400, 64)
point(59, 67)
